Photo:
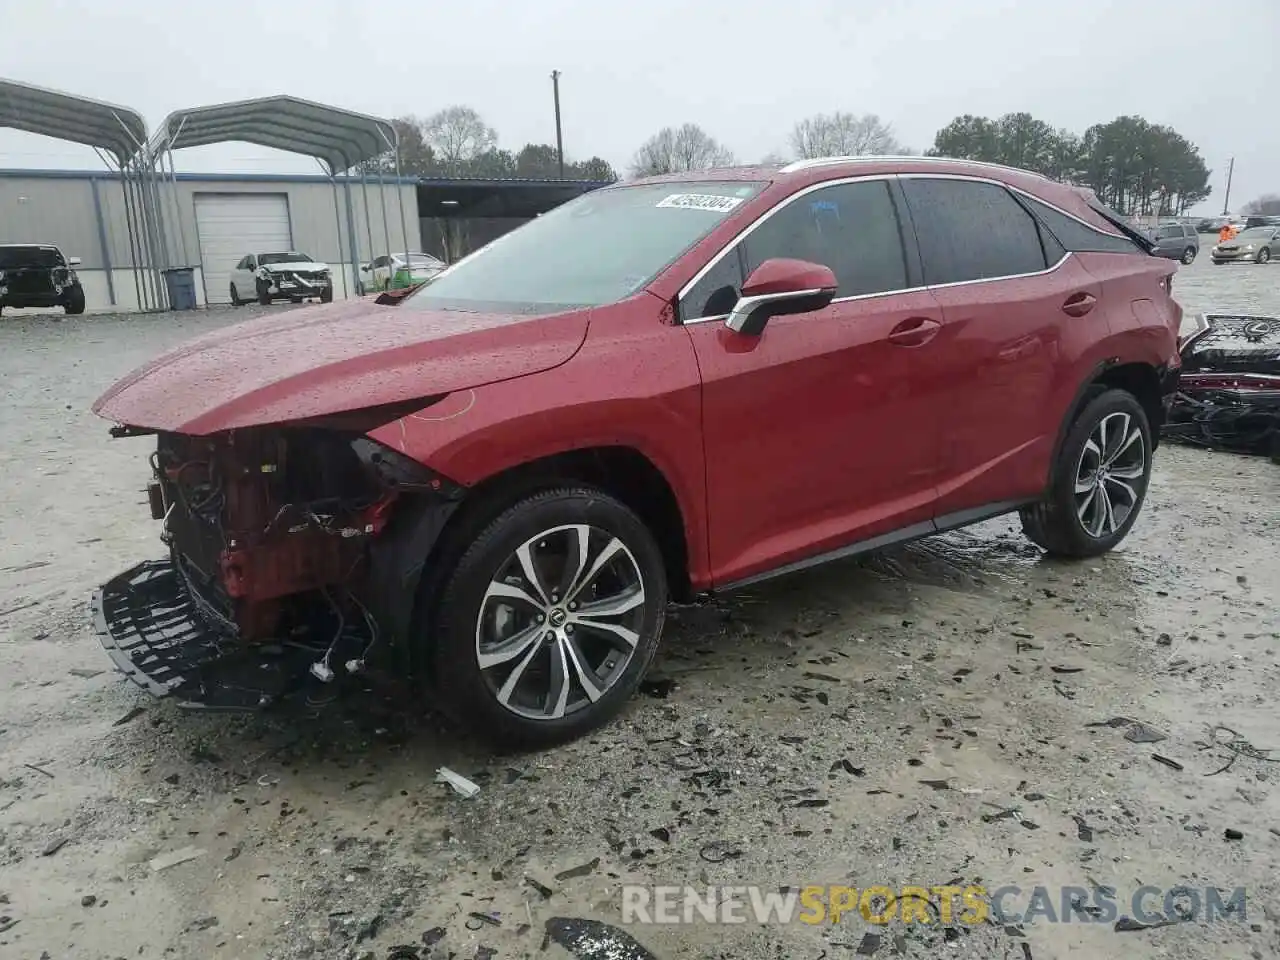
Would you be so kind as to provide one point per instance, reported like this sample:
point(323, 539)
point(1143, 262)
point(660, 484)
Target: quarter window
point(972, 231)
point(1074, 235)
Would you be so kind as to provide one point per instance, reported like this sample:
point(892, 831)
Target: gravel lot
point(791, 747)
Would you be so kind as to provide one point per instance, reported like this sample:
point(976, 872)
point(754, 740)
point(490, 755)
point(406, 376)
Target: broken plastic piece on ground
point(461, 785)
point(593, 940)
point(175, 857)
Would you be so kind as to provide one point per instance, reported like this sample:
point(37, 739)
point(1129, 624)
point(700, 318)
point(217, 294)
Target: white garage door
point(231, 225)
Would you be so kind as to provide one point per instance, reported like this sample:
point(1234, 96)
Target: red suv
point(492, 487)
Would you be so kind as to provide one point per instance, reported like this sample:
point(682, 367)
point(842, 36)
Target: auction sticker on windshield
point(700, 201)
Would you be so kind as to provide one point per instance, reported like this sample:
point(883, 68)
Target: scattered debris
point(53, 846)
point(593, 940)
point(129, 717)
point(38, 769)
point(1083, 830)
point(657, 687)
point(1234, 744)
point(1171, 764)
point(88, 901)
point(937, 784)
point(718, 851)
point(543, 890)
point(580, 871)
point(433, 936)
point(1129, 925)
point(1067, 669)
point(175, 857)
point(83, 673)
point(476, 920)
point(1233, 834)
point(869, 945)
point(1141, 733)
point(460, 784)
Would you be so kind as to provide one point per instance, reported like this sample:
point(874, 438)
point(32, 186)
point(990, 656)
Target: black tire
point(264, 294)
point(1264, 255)
point(1218, 263)
point(466, 693)
point(1055, 523)
point(1189, 255)
point(326, 295)
point(235, 297)
point(74, 304)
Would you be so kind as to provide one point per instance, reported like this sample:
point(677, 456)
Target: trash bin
point(180, 282)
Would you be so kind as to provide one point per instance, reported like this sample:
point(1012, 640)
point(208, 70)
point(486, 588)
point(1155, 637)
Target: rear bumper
point(153, 633)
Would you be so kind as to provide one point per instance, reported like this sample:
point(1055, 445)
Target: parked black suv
point(1176, 241)
point(38, 275)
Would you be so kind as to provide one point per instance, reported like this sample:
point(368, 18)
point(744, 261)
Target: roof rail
point(809, 164)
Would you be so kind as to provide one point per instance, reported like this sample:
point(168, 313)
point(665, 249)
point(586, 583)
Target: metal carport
point(117, 134)
point(337, 139)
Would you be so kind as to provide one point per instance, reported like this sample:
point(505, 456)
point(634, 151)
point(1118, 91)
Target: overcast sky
point(743, 69)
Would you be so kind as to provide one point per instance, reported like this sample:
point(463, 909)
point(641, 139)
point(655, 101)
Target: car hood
point(302, 266)
point(334, 359)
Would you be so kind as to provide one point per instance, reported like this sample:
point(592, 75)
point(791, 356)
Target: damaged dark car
point(38, 275)
point(1229, 393)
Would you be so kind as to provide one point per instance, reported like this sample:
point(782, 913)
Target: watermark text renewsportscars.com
point(945, 904)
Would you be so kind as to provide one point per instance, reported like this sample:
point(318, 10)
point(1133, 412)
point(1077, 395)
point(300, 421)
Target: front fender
point(637, 389)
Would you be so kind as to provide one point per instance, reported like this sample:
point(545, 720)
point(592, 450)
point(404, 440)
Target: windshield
point(599, 248)
point(283, 258)
point(1256, 233)
point(16, 257)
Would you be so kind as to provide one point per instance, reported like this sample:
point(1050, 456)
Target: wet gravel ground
point(927, 716)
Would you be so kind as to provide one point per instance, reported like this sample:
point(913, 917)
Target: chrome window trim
point(866, 178)
point(798, 165)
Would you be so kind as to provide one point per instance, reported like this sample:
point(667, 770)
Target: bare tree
point(1267, 205)
point(773, 158)
point(843, 135)
point(673, 149)
point(458, 135)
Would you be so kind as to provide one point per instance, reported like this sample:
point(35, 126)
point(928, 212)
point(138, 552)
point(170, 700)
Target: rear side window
point(1076, 236)
point(972, 231)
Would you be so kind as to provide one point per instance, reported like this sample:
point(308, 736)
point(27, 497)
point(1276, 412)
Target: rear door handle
point(1078, 304)
point(914, 332)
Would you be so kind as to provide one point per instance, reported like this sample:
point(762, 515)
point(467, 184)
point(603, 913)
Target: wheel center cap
point(557, 617)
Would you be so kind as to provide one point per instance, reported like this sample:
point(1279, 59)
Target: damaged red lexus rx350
point(493, 487)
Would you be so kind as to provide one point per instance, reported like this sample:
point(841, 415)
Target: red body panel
point(869, 416)
point(819, 432)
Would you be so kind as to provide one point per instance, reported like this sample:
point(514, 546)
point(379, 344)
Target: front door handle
point(914, 332)
point(1078, 304)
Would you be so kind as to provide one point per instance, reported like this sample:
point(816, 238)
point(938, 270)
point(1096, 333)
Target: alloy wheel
point(560, 621)
point(1109, 475)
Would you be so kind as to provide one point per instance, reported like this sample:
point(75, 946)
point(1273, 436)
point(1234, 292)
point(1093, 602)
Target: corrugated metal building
point(214, 220)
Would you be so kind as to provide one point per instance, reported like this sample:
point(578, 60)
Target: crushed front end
point(270, 583)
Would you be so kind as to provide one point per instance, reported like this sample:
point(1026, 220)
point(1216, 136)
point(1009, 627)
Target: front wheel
point(326, 295)
point(549, 619)
point(1264, 255)
point(75, 302)
point(264, 294)
point(1189, 255)
point(1099, 480)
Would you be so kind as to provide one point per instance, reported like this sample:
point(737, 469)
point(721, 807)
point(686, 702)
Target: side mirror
point(73, 261)
point(780, 287)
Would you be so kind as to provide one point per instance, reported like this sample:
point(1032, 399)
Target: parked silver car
point(1251, 245)
point(1176, 241)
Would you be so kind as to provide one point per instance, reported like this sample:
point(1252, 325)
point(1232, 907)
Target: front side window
point(850, 227)
point(597, 249)
point(970, 230)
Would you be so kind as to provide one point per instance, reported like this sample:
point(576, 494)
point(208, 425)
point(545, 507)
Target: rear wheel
point(549, 619)
point(235, 297)
point(1189, 255)
point(74, 304)
point(1100, 480)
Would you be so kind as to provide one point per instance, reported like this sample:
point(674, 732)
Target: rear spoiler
point(1113, 218)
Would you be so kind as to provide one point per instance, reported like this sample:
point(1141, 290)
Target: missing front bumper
point(151, 630)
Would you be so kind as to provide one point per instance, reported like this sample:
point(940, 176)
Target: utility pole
point(1231, 168)
point(555, 88)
